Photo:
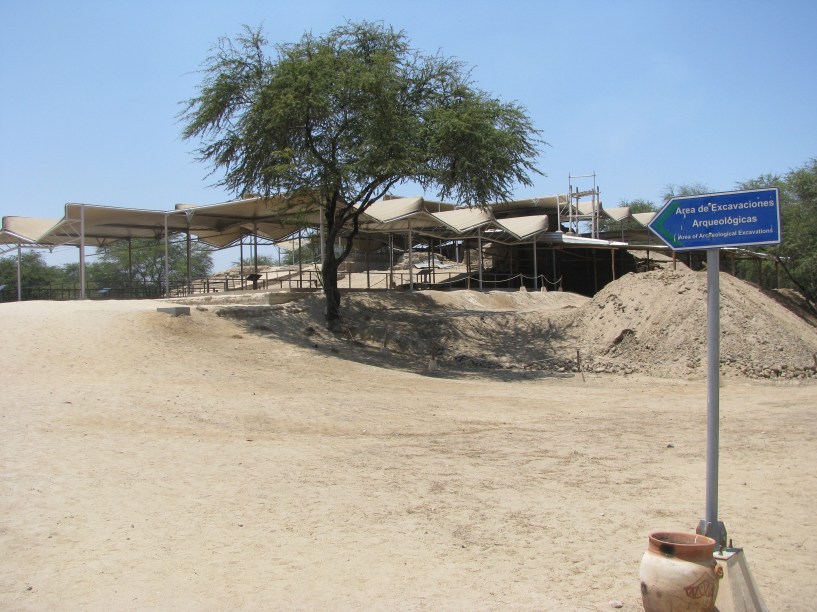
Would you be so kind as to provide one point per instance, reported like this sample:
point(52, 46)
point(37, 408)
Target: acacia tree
point(144, 262)
point(689, 189)
point(797, 252)
point(34, 271)
point(346, 117)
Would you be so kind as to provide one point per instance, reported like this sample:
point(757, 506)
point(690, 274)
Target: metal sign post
point(711, 222)
point(711, 526)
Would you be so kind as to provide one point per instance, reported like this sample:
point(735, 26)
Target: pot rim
point(687, 546)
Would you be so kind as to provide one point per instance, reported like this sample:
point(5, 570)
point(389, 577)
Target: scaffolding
point(583, 205)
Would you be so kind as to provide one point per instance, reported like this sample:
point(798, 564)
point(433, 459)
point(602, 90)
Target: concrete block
point(176, 311)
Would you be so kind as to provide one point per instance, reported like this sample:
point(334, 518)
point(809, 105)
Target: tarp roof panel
point(524, 228)
point(387, 211)
point(549, 203)
point(278, 209)
point(24, 230)
point(644, 218)
point(617, 214)
point(462, 220)
point(587, 208)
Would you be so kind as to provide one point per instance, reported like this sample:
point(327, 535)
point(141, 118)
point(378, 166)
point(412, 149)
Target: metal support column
point(167, 261)
point(189, 265)
point(411, 254)
point(390, 283)
point(535, 267)
point(479, 256)
point(19, 273)
point(82, 252)
point(323, 238)
point(300, 262)
point(613, 260)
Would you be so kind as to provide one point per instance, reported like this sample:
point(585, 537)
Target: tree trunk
point(329, 272)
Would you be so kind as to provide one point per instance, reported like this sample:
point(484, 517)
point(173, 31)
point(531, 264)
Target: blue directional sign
point(716, 220)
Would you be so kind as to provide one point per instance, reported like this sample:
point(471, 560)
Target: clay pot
point(678, 573)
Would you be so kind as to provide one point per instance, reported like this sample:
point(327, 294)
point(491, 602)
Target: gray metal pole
point(323, 239)
point(167, 261)
point(19, 273)
point(82, 252)
point(535, 268)
point(300, 263)
point(255, 247)
point(255, 255)
point(411, 254)
point(390, 282)
point(713, 528)
point(189, 265)
point(479, 256)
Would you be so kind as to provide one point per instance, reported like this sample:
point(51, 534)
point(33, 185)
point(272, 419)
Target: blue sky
point(644, 94)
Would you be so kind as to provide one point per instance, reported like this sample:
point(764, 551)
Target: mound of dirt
point(655, 322)
point(652, 323)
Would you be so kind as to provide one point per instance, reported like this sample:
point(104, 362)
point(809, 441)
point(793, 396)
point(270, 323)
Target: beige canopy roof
point(221, 224)
point(275, 217)
point(617, 214)
point(23, 230)
point(524, 228)
point(16, 231)
point(280, 217)
point(105, 224)
point(644, 218)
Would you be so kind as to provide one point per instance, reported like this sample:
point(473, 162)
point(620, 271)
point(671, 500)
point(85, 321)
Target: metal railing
point(282, 280)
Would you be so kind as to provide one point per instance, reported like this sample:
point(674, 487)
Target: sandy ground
point(152, 462)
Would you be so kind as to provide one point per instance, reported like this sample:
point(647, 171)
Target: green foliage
point(309, 253)
point(679, 191)
point(33, 271)
point(352, 112)
point(797, 253)
point(147, 263)
point(110, 270)
point(348, 116)
point(249, 262)
point(636, 206)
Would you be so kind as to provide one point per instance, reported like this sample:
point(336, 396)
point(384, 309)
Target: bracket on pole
point(717, 532)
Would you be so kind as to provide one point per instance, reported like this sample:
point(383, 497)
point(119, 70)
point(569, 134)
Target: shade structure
point(219, 224)
point(23, 231)
point(275, 217)
point(280, 217)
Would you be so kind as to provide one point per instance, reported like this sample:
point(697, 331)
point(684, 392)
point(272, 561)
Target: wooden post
point(467, 266)
point(613, 260)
